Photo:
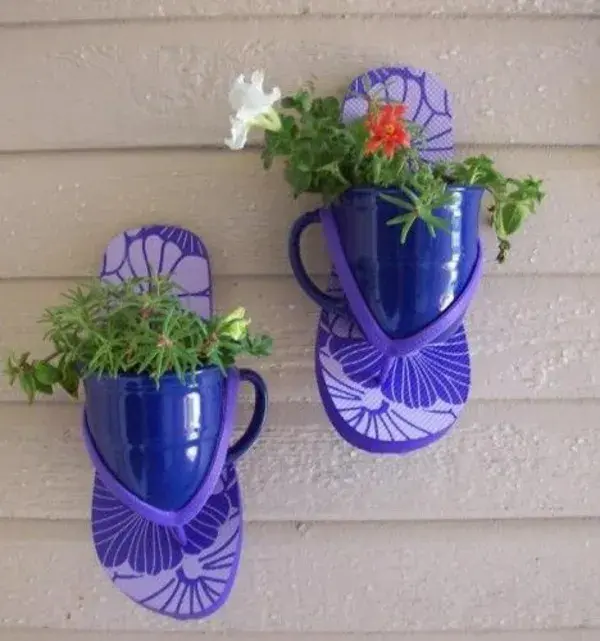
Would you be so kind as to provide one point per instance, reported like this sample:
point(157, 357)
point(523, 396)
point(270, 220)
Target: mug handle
point(324, 300)
point(245, 442)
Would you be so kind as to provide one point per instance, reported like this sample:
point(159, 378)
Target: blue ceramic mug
point(160, 442)
point(405, 286)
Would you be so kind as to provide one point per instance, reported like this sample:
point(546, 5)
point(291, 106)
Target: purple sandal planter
point(166, 510)
point(392, 360)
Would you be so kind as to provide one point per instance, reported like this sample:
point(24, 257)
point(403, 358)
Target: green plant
point(512, 200)
point(138, 326)
point(424, 193)
point(326, 156)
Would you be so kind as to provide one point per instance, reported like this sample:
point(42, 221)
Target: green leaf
point(11, 369)
point(299, 179)
point(45, 373)
point(262, 346)
point(288, 128)
point(333, 169)
point(431, 228)
point(512, 218)
point(403, 218)
point(70, 382)
point(44, 389)
point(331, 106)
point(300, 101)
point(326, 109)
point(406, 229)
point(27, 382)
point(438, 223)
point(403, 204)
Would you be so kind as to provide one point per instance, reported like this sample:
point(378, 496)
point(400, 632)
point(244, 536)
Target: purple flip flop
point(180, 564)
point(380, 398)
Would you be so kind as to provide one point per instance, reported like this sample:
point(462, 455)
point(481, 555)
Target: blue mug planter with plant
point(405, 286)
point(401, 224)
point(164, 442)
point(161, 387)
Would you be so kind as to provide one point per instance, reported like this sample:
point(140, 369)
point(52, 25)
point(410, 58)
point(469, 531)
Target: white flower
point(249, 98)
point(253, 107)
point(239, 134)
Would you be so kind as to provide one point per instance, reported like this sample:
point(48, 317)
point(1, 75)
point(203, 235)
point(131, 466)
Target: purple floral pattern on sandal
point(147, 562)
point(417, 401)
point(158, 249)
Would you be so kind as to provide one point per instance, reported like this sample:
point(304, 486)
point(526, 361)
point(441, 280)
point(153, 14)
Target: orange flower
point(387, 130)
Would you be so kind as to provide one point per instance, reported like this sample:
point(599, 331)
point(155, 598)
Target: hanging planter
point(396, 290)
point(161, 390)
point(401, 224)
point(161, 446)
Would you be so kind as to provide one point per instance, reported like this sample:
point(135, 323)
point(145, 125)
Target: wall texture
point(112, 115)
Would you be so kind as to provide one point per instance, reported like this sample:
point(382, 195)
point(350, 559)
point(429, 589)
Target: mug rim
point(366, 189)
point(167, 377)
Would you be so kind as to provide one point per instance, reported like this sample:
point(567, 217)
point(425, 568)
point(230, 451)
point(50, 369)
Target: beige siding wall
point(111, 116)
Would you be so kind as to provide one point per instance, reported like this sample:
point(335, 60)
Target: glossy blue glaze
point(158, 442)
point(407, 286)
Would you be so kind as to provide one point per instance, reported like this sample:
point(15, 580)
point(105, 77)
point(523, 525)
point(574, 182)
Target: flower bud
point(235, 325)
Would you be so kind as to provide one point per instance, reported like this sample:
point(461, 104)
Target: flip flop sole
point(416, 403)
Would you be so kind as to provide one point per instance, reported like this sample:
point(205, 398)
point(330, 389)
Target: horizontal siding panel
point(531, 337)
point(23, 11)
point(151, 84)
point(332, 578)
point(456, 7)
point(57, 224)
point(88, 635)
point(503, 460)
